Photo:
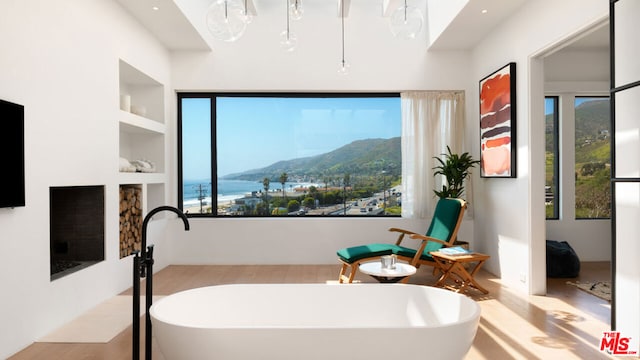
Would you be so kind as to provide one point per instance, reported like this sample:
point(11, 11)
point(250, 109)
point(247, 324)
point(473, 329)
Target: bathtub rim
point(473, 316)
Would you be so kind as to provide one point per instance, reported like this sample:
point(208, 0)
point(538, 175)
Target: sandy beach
point(222, 204)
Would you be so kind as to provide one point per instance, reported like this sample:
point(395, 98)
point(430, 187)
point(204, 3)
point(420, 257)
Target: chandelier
point(227, 21)
point(406, 21)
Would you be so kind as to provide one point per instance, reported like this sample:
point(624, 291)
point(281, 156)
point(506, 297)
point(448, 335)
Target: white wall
point(256, 63)
point(509, 229)
point(285, 241)
point(60, 60)
point(511, 224)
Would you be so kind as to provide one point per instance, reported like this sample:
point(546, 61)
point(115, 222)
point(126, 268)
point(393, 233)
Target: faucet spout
point(147, 218)
point(143, 267)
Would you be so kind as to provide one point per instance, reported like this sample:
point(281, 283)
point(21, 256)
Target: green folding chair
point(442, 232)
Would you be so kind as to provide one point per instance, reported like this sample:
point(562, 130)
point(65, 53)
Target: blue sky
point(256, 132)
point(548, 106)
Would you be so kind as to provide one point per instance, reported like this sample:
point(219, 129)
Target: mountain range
point(592, 123)
point(362, 157)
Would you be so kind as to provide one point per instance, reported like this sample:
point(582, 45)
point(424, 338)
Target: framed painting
point(498, 123)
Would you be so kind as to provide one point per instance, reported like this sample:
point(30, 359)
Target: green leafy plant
point(455, 168)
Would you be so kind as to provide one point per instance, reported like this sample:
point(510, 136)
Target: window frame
point(213, 96)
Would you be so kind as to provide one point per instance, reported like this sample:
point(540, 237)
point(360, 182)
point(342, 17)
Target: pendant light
point(406, 21)
point(288, 39)
point(343, 68)
point(296, 10)
point(226, 20)
point(248, 18)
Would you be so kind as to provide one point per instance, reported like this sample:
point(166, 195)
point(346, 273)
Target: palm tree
point(326, 180)
point(346, 182)
point(313, 192)
point(265, 184)
point(283, 179)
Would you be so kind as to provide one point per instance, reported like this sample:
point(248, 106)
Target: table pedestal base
point(374, 269)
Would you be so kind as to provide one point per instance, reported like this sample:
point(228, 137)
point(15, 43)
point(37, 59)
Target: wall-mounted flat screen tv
point(12, 149)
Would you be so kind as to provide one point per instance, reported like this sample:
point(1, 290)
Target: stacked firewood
point(130, 219)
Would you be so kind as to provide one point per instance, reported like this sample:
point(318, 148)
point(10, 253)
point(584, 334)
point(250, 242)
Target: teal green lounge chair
point(441, 233)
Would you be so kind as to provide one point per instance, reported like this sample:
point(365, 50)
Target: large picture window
point(289, 154)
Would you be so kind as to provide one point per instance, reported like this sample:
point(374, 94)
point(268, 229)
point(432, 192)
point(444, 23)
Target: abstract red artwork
point(498, 123)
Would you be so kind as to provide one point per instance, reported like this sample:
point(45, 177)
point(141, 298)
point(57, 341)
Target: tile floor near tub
point(566, 324)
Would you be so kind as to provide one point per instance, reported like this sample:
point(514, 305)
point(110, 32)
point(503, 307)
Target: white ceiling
point(180, 24)
point(596, 40)
point(476, 19)
point(167, 23)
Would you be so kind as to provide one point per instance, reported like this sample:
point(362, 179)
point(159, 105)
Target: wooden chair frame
point(417, 259)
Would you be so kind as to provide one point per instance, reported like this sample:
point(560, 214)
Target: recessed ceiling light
point(484, 11)
point(155, 8)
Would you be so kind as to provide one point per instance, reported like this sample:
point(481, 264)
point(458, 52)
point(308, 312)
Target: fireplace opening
point(76, 228)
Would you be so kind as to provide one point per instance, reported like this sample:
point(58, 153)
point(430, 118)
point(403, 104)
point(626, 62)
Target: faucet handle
point(149, 255)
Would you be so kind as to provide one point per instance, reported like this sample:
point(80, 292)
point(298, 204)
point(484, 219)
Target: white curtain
point(431, 120)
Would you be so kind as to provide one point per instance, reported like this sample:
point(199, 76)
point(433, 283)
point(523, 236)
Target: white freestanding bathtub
point(315, 321)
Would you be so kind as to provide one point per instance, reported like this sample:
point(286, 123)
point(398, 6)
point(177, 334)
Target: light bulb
point(248, 18)
point(288, 40)
point(343, 67)
point(226, 20)
point(296, 10)
point(406, 22)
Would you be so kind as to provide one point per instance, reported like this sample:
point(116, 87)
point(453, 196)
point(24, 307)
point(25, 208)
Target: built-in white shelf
point(133, 123)
point(141, 178)
point(142, 128)
point(143, 94)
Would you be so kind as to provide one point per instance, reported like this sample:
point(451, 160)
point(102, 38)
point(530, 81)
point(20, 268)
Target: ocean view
point(228, 190)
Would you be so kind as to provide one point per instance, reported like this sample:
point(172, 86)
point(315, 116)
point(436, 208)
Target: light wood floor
point(566, 324)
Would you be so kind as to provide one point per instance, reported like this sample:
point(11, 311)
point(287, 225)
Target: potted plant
point(455, 168)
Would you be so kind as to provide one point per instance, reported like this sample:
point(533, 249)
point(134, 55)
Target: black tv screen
point(12, 150)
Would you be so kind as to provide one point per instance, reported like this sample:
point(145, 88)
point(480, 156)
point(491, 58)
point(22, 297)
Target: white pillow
point(125, 166)
point(145, 166)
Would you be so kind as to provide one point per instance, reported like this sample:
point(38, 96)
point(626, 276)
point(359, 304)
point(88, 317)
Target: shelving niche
point(142, 133)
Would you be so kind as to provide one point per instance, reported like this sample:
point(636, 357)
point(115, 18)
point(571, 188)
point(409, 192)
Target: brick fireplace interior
point(76, 228)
